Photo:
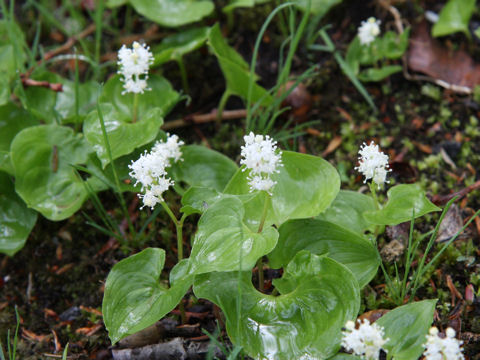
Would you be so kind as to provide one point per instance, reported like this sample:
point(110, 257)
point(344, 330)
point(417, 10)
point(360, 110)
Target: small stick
point(204, 118)
point(57, 87)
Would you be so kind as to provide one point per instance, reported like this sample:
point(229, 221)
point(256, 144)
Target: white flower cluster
point(368, 30)
point(260, 156)
point(447, 348)
point(134, 64)
point(373, 164)
point(366, 341)
point(150, 170)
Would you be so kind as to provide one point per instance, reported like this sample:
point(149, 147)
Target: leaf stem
point(135, 108)
point(261, 279)
point(123, 205)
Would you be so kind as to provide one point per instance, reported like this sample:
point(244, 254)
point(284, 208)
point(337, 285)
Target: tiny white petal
point(133, 65)
point(447, 348)
point(373, 163)
point(366, 341)
point(369, 30)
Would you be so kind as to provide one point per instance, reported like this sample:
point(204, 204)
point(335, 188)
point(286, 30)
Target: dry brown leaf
point(451, 224)
point(428, 56)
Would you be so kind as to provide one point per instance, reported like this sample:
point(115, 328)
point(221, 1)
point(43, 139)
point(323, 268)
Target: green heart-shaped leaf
point(123, 136)
point(161, 95)
point(306, 186)
point(454, 17)
point(12, 120)
point(135, 298)
point(404, 201)
point(235, 69)
point(173, 47)
point(223, 242)
point(42, 157)
point(407, 327)
point(322, 237)
point(16, 220)
point(197, 200)
point(173, 13)
point(203, 167)
point(304, 323)
point(347, 211)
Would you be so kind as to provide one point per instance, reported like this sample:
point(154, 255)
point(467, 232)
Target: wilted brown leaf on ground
point(451, 224)
point(428, 56)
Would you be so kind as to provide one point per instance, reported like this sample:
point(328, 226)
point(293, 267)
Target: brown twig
point(52, 86)
point(204, 118)
point(443, 199)
point(62, 48)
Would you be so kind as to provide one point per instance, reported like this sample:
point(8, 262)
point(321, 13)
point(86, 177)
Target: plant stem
point(183, 73)
point(221, 106)
point(123, 205)
point(135, 108)
point(260, 229)
point(374, 195)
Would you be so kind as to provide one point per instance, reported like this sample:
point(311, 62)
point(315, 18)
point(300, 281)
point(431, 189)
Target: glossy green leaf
point(303, 324)
point(174, 47)
point(16, 220)
point(318, 7)
point(394, 45)
point(306, 186)
point(135, 298)
point(115, 3)
point(42, 157)
point(13, 119)
point(454, 17)
point(52, 106)
point(347, 211)
point(160, 96)
point(403, 201)
point(203, 167)
point(123, 135)
point(234, 4)
point(173, 13)
point(407, 327)
point(235, 69)
point(374, 74)
point(197, 200)
point(322, 237)
point(223, 242)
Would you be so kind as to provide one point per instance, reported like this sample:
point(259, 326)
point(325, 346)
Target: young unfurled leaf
point(135, 298)
point(322, 237)
point(303, 323)
point(404, 201)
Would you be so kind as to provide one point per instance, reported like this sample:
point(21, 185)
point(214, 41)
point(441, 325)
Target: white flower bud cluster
point(373, 164)
point(366, 341)
point(134, 64)
point(447, 348)
point(150, 170)
point(369, 30)
point(261, 158)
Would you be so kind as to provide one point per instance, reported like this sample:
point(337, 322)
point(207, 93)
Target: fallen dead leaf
point(452, 69)
point(30, 335)
point(332, 145)
point(452, 223)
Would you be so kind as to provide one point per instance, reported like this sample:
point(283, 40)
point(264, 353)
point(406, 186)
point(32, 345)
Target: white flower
point(261, 158)
point(150, 170)
point(369, 30)
point(447, 348)
point(373, 163)
point(366, 341)
point(134, 64)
